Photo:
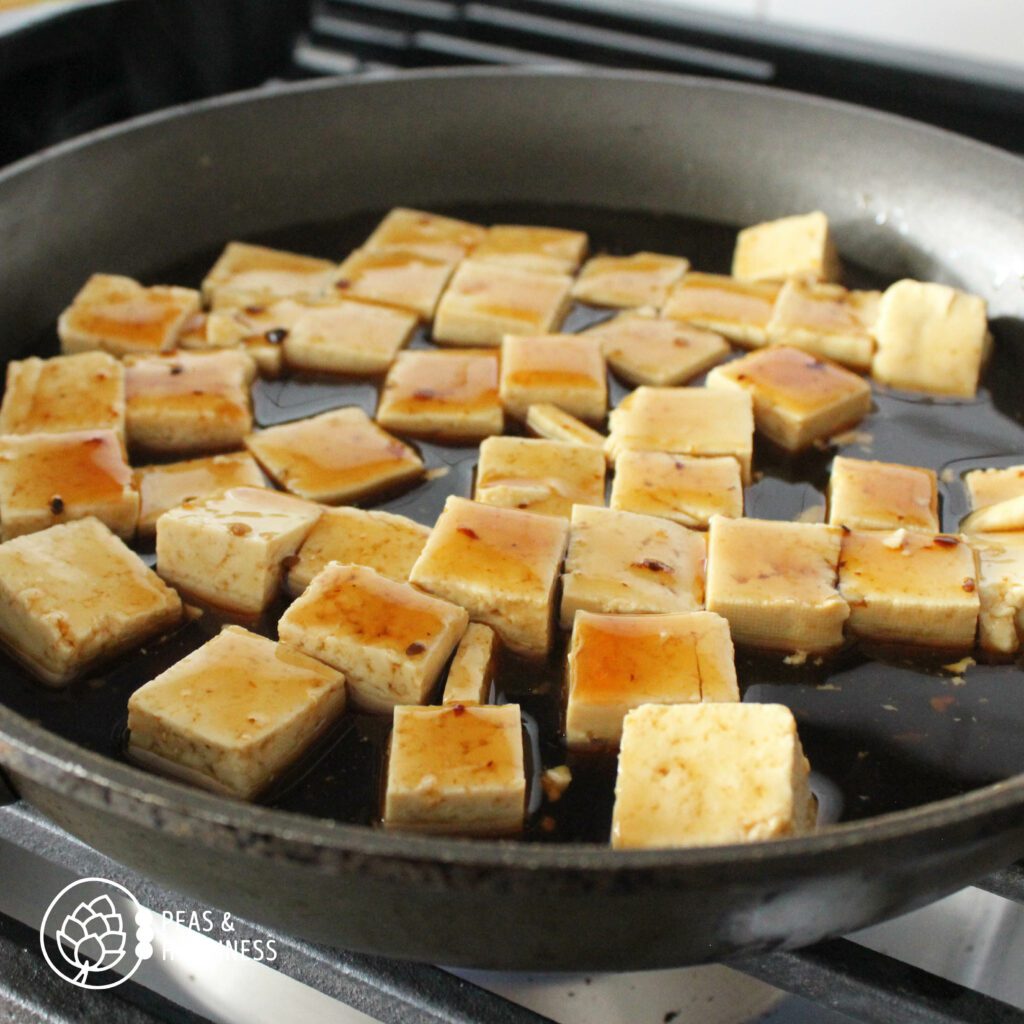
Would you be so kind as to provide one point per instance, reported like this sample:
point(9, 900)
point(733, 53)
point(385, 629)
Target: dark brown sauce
point(882, 735)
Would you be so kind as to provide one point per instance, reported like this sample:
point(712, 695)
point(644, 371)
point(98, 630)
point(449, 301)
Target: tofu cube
point(626, 282)
point(554, 424)
point(257, 330)
point(618, 662)
point(738, 310)
point(540, 250)
point(248, 275)
point(450, 395)
point(232, 715)
point(710, 774)
point(623, 563)
point(566, 370)
point(930, 338)
point(798, 398)
point(799, 246)
point(865, 495)
point(685, 421)
point(390, 639)
point(1000, 591)
point(188, 402)
point(456, 770)
point(546, 477)
point(486, 301)
point(55, 478)
point(910, 588)
point(501, 565)
point(776, 583)
point(228, 550)
point(336, 457)
point(428, 234)
point(66, 393)
point(169, 484)
point(992, 486)
point(472, 671)
point(73, 595)
point(393, 277)
point(645, 350)
point(119, 315)
point(388, 543)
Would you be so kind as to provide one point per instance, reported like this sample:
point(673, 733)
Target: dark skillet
point(920, 767)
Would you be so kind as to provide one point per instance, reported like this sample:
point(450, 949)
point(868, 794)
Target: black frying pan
point(921, 769)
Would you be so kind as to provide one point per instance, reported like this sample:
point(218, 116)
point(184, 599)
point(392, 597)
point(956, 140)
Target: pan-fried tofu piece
point(541, 250)
point(428, 234)
point(456, 770)
point(798, 246)
point(1000, 590)
point(234, 714)
point(253, 329)
point(393, 277)
point(228, 550)
point(798, 398)
point(548, 421)
point(118, 315)
point(685, 421)
point(66, 393)
point(566, 370)
point(1002, 517)
point(687, 490)
point(546, 477)
point(382, 541)
point(738, 310)
point(623, 563)
point(930, 338)
point(336, 457)
point(188, 402)
point(486, 301)
point(865, 495)
point(56, 478)
point(450, 395)
point(472, 672)
point(618, 662)
point(501, 565)
point(626, 282)
point(169, 484)
point(992, 486)
point(911, 588)
point(390, 639)
point(248, 275)
point(73, 595)
point(646, 350)
point(710, 774)
point(776, 583)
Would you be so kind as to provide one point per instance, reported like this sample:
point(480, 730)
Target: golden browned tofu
point(776, 583)
point(798, 398)
point(456, 770)
point(234, 714)
point(618, 662)
point(738, 310)
point(382, 541)
point(626, 282)
point(119, 315)
point(390, 639)
point(169, 484)
point(336, 457)
point(546, 477)
point(501, 565)
point(992, 486)
point(428, 234)
point(865, 495)
point(623, 563)
point(541, 250)
point(56, 478)
point(548, 421)
point(687, 490)
point(486, 301)
point(257, 330)
point(1000, 590)
point(798, 246)
point(710, 774)
point(188, 402)
point(73, 595)
point(393, 277)
point(911, 588)
point(250, 275)
point(1002, 517)
point(66, 393)
point(566, 370)
point(645, 350)
point(472, 671)
point(450, 395)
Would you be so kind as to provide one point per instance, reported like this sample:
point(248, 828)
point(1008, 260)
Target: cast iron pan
point(916, 766)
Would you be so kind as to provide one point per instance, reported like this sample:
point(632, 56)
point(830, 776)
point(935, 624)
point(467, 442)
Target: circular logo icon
point(100, 934)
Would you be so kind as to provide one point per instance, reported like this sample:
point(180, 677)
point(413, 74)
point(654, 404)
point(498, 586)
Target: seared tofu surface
point(428, 234)
point(247, 275)
point(554, 424)
point(539, 250)
point(627, 282)
point(394, 277)
point(566, 370)
point(868, 495)
point(472, 670)
point(738, 310)
point(800, 246)
point(991, 486)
